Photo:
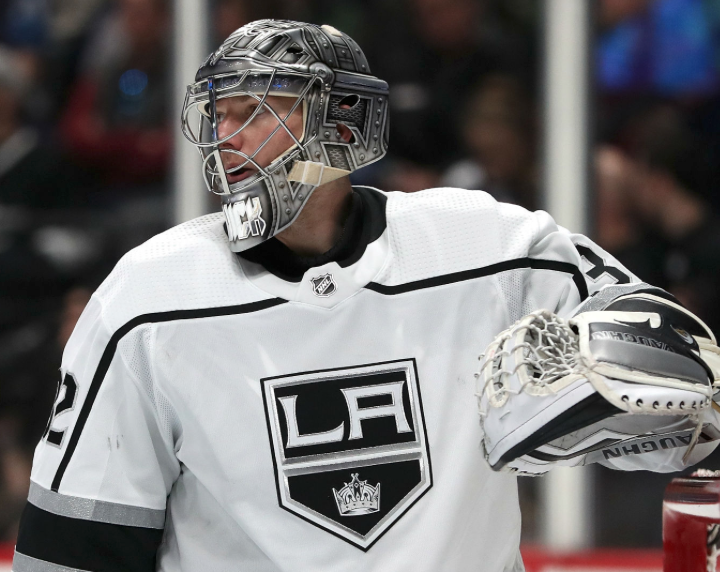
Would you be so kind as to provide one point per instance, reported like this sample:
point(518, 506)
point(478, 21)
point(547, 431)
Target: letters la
point(339, 436)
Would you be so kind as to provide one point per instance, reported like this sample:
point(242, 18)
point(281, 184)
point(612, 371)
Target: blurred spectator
point(116, 122)
point(652, 213)
point(356, 18)
point(668, 200)
point(24, 33)
point(407, 177)
point(14, 485)
point(500, 136)
point(35, 180)
point(616, 223)
point(619, 228)
point(663, 46)
point(229, 15)
point(29, 362)
point(432, 52)
point(48, 35)
point(32, 172)
point(70, 23)
point(613, 12)
point(24, 30)
point(24, 24)
point(74, 304)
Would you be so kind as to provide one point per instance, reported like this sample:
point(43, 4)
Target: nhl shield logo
point(349, 447)
point(323, 286)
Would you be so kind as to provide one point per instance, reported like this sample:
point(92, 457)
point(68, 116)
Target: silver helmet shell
point(326, 71)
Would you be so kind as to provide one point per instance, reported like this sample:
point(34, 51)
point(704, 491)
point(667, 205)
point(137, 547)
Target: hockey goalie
point(629, 384)
point(287, 385)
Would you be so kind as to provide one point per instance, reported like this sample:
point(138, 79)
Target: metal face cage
point(258, 84)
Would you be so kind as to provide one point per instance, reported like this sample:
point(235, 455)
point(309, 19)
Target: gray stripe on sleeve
point(22, 563)
point(607, 294)
point(95, 510)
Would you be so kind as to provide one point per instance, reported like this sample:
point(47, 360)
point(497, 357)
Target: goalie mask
point(344, 121)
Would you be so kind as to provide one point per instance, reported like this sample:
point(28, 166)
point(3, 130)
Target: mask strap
point(315, 174)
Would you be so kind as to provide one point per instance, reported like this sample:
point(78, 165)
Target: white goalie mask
point(327, 75)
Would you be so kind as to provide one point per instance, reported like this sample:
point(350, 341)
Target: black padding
point(678, 318)
point(588, 411)
point(673, 322)
point(554, 458)
point(87, 545)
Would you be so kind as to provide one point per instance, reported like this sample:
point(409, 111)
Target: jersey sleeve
point(593, 276)
point(106, 463)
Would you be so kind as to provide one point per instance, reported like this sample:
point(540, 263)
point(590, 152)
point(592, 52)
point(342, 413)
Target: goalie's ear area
point(671, 312)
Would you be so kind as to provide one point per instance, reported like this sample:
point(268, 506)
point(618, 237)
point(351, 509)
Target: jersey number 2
point(67, 403)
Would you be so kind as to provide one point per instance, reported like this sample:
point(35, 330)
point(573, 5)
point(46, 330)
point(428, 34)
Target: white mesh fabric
point(518, 229)
point(514, 286)
point(440, 231)
point(136, 350)
point(187, 267)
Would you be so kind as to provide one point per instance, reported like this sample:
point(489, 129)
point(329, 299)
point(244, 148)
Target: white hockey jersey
point(215, 416)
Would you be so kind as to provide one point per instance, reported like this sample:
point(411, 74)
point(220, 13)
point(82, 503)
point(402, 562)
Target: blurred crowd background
point(86, 131)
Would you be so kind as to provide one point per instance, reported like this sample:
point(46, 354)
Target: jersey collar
point(365, 223)
point(329, 279)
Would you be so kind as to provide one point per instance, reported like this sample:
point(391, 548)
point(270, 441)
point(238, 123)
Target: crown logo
point(357, 497)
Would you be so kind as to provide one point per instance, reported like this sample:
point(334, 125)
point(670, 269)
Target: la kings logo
point(341, 436)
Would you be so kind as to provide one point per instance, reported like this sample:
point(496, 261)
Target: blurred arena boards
point(538, 560)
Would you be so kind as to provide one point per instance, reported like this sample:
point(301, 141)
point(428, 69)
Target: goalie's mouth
point(239, 175)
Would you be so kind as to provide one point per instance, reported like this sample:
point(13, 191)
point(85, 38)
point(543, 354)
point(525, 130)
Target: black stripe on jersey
point(87, 545)
point(535, 264)
point(109, 353)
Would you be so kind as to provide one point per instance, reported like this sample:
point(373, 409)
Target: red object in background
point(691, 523)
point(617, 560)
point(6, 552)
point(130, 155)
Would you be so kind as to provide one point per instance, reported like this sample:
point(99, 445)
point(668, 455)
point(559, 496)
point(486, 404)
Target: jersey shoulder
point(187, 267)
point(445, 230)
